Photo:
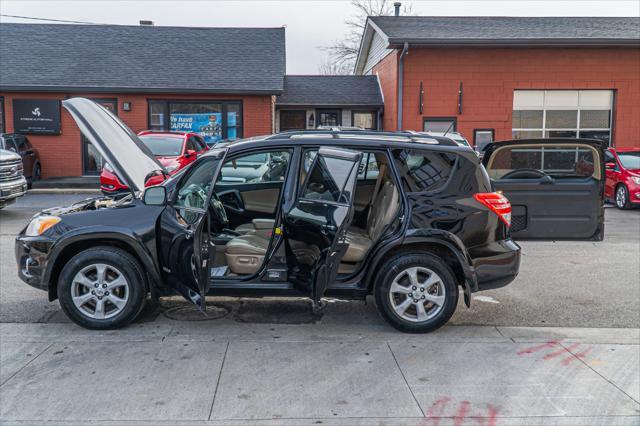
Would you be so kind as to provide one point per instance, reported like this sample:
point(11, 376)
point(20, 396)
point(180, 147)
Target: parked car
point(31, 166)
point(12, 182)
point(174, 150)
point(623, 177)
point(423, 225)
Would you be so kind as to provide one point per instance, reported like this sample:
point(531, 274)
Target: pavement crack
point(405, 380)
point(218, 382)
point(569, 349)
point(26, 365)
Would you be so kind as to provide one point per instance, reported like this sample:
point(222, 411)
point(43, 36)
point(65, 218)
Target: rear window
point(163, 146)
point(533, 162)
point(422, 170)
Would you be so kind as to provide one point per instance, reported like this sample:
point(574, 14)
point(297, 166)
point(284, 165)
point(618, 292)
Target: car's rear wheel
point(102, 288)
point(622, 197)
point(416, 292)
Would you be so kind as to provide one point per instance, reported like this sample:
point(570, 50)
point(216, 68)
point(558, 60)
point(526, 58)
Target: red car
point(623, 177)
point(174, 150)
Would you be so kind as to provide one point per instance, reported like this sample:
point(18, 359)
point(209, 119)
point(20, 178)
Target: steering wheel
point(524, 174)
point(221, 220)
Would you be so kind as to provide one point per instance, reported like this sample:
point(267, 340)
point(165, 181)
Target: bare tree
point(343, 53)
point(330, 67)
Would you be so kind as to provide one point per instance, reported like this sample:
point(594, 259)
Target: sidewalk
point(228, 372)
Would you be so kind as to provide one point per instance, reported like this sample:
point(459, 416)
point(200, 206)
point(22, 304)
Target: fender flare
point(433, 237)
point(122, 235)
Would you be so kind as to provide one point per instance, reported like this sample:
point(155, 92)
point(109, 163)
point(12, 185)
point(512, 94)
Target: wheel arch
point(448, 251)
point(73, 246)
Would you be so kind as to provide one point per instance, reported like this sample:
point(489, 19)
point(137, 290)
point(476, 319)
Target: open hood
point(121, 148)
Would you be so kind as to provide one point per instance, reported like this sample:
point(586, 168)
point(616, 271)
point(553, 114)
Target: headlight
point(40, 224)
point(636, 179)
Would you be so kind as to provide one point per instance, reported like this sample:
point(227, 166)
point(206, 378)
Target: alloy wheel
point(417, 294)
point(621, 197)
point(100, 291)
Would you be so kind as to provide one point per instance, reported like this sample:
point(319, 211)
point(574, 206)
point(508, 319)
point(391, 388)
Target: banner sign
point(208, 125)
point(36, 116)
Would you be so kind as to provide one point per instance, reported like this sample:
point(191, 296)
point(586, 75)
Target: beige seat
point(264, 225)
point(245, 253)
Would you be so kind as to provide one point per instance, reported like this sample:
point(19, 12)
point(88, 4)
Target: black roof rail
point(408, 136)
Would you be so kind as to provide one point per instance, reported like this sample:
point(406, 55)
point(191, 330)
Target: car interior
point(250, 188)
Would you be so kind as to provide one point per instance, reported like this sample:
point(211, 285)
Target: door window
point(255, 168)
point(9, 144)
point(293, 120)
point(193, 189)
point(423, 171)
point(330, 179)
point(534, 162)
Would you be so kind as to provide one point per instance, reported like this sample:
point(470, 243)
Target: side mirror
point(610, 166)
point(155, 196)
point(190, 153)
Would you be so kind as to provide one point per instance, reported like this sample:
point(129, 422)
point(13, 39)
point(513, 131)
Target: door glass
point(329, 180)
point(93, 161)
point(255, 168)
point(193, 190)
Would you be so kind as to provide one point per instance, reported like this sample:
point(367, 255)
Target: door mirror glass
point(155, 196)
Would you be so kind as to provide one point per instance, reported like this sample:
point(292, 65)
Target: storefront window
point(562, 114)
point(92, 161)
point(214, 121)
point(293, 120)
point(329, 117)
point(365, 119)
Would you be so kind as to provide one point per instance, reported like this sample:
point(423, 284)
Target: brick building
point(152, 77)
point(502, 78)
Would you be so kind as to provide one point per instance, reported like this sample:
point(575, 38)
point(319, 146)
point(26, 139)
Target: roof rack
point(337, 133)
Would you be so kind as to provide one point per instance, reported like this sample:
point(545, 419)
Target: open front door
point(316, 225)
point(185, 227)
point(555, 186)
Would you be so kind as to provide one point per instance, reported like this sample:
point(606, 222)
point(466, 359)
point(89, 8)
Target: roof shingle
point(527, 29)
point(142, 58)
point(333, 90)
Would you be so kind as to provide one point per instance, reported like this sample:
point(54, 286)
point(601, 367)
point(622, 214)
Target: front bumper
point(32, 256)
point(10, 190)
point(495, 264)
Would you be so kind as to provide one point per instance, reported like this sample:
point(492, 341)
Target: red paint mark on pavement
point(436, 411)
point(537, 348)
point(570, 359)
point(561, 351)
point(492, 416)
point(463, 412)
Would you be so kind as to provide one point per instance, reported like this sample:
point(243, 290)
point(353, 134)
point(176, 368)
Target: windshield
point(630, 160)
point(163, 146)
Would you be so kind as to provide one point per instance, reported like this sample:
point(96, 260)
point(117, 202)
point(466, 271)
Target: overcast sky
point(309, 24)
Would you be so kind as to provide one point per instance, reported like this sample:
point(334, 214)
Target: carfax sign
point(209, 125)
point(36, 116)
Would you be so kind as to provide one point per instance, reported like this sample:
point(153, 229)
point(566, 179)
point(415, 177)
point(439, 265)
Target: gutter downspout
point(405, 51)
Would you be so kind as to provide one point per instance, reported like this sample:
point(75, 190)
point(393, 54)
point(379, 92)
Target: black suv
point(406, 217)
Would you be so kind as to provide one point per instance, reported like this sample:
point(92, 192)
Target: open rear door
point(316, 225)
point(555, 186)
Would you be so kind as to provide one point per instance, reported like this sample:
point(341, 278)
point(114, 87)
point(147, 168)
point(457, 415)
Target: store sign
point(36, 116)
point(208, 125)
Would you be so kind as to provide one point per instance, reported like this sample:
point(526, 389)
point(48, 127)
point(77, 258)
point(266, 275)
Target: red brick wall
point(490, 76)
point(62, 155)
point(387, 71)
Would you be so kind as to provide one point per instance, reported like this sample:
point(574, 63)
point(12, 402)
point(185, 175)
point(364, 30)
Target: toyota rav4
point(410, 219)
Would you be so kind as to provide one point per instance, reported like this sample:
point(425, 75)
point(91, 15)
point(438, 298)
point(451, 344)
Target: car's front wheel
point(102, 288)
point(416, 292)
point(622, 197)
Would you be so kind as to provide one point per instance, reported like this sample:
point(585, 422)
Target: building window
point(214, 121)
point(293, 120)
point(329, 117)
point(440, 124)
point(2, 114)
point(482, 137)
point(562, 114)
point(365, 119)
point(92, 161)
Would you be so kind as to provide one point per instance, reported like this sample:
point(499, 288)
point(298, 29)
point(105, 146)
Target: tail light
point(497, 203)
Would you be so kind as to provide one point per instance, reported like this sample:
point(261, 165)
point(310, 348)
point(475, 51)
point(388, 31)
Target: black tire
point(623, 204)
point(35, 175)
point(393, 268)
point(125, 264)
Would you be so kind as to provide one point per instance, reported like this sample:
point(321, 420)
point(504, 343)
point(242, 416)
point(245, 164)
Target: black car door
point(315, 226)
point(555, 186)
point(27, 153)
point(187, 251)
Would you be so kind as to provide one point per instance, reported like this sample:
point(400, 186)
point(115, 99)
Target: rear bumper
point(495, 264)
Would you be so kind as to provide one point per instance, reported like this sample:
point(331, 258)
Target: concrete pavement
point(228, 372)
